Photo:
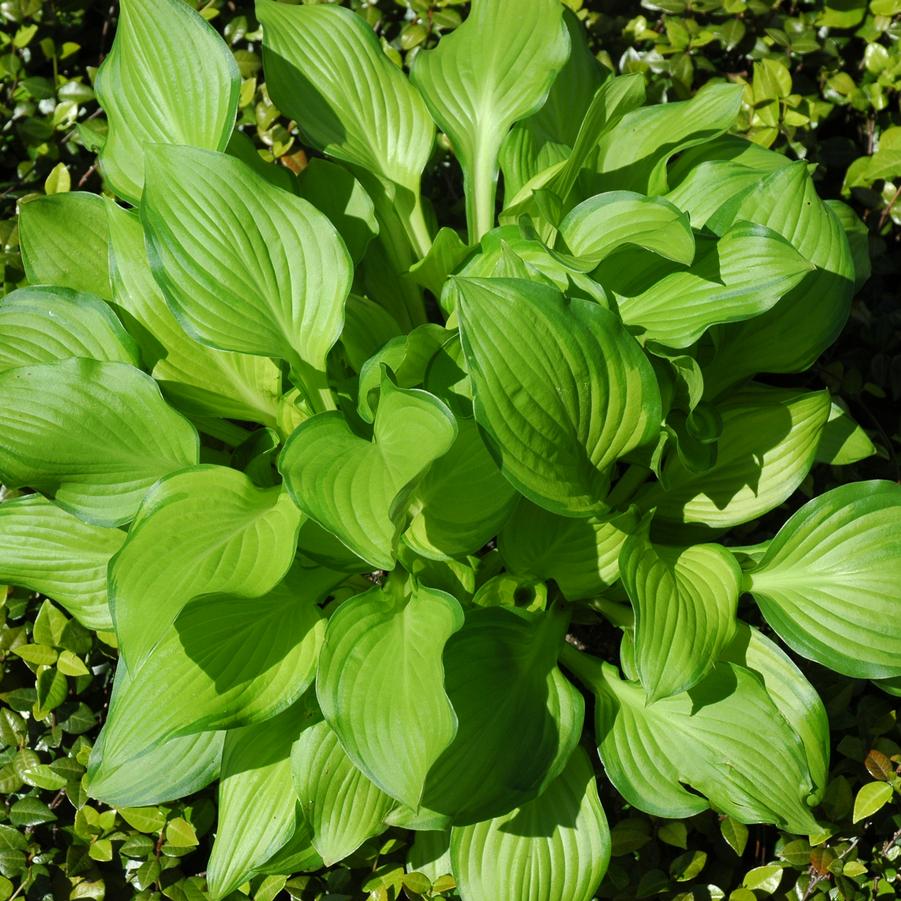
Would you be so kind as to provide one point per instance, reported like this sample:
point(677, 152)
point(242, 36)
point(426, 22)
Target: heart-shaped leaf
point(104, 436)
point(561, 389)
point(359, 489)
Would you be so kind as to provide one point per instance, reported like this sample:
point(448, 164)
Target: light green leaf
point(461, 502)
point(45, 549)
point(598, 226)
point(144, 819)
point(871, 799)
point(546, 137)
point(828, 582)
point(225, 663)
point(235, 275)
point(198, 378)
point(766, 448)
point(445, 255)
point(709, 738)
point(555, 847)
point(633, 154)
point(207, 529)
point(257, 803)
point(708, 185)
point(343, 807)
point(685, 600)
point(518, 717)
point(325, 69)
point(494, 70)
point(65, 242)
point(430, 854)
point(790, 691)
point(796, 330)
point(580, 555)
point(742, 275)
point(358, 489)
point(40, 325)
point(561, 389)
point(104, 436)
point(380, 684)
point(843, 441)
point(175, 83)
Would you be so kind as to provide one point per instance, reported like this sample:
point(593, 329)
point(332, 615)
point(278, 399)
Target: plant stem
point(314, 385)
point(416, 228)
point(481, 187)
point(583, 666)
point(629, 482)
point(222, 430)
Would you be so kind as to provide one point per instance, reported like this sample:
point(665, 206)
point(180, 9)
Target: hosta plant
point(372, 505)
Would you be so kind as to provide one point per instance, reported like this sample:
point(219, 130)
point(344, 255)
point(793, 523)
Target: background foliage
point(822, 83)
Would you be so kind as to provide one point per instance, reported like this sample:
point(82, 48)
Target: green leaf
point(767, 446)
point(725, 738)
point(843, 441)
point(144, 819)
point(708, 185)
point(735, 834)
point(461, 502)
point(870, 799)
point(105, 435)
point(343, 807)
point(741, 276)
point(580, 555)
point(444, 257)
point(385, 642)
point(792, 694)
point(207, 529)
point(357, 489)
point(65, 242)
point(685, 600)
point(337, 194)
point(808, 319)
point(596, 227)
point(561, 389)
point(236, 277)
point(633, 154)
point(176, 84)
point(556, 847)
point(199, 379)
point(41, 325)
point(257, 802)
point(828, 582)
point(46, 549)
point(225, 663)
point(70, 665)
point(518, 717)
point(494, 70)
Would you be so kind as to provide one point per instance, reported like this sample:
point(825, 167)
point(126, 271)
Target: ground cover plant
point(498, 386)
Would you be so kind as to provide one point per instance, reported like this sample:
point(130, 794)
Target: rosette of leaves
point(358, 493)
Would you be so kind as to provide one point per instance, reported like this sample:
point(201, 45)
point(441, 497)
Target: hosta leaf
point(555, 847)
point(198, 378)
point(381, 684)
point(326, 70)
point(828, 582)
point(742, 275)
point(343, 807)
point(461, 502)
point(40, 325)
point(561, 390)
point(725, 738)
point(359, 489)
point(297, 855)
point(207, 529)
point(685, 600)
point(494, 70)
point(843, 441)
point(225, 663)
point(518, 717)
point(257, 804)
point(596, 227)
point(708, 185)
point(580, 555)
point(176, 84)
point(45, 549)
point(633, 154)
point(796, 330)
point(65, 242)
point(790, 691)
point(235, 275)
point(104, 436)
point(546, 137)
point(767, 446)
